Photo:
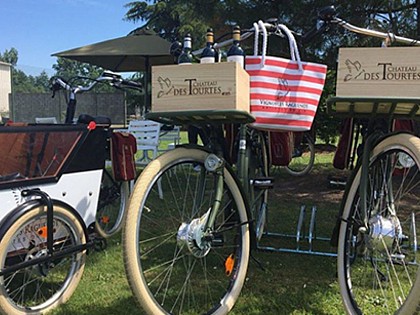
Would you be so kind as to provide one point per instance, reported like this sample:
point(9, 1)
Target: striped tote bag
point(284, 92)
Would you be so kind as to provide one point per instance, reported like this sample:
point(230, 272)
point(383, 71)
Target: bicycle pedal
point(263, 182)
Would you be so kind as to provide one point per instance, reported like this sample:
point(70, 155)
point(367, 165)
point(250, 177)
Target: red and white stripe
point(283, 97)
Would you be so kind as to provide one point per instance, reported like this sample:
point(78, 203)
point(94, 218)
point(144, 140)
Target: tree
point(173, 18)
point(76, 72)
point(21, 82)
point(70, 69)
point(10, 56)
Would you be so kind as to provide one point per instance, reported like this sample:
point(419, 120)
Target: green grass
point(287, 284)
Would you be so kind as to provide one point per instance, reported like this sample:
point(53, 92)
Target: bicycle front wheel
point(171, 267)
point(378, 258)
point(113, 200)
point(39, 288)
point(303, 157)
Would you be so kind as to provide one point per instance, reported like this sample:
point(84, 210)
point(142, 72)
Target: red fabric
point(123, 149)
point(343, 152)
point(404, 125)
point(281, 147)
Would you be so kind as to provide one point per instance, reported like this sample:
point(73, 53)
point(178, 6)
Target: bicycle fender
point(20, 210)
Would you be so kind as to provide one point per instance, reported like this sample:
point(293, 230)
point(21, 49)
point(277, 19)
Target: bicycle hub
point(385, 233)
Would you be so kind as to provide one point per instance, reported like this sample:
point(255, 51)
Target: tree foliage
point(10, 56)
point(173, 18)
point(22, 82)
point(69, 69)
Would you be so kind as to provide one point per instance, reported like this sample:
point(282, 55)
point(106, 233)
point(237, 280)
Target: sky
point(39, 28)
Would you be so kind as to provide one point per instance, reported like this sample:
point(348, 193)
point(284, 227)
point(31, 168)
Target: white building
point(5, 88)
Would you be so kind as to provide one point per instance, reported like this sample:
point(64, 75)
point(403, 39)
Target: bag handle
point(256, 33)
point(294, 51)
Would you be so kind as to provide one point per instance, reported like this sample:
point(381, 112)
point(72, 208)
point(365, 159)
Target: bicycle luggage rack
point(380, 107)
point(304, 242)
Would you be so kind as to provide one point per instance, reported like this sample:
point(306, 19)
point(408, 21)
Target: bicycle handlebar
point(112, 78)
point(373, 33)
point(327, 16)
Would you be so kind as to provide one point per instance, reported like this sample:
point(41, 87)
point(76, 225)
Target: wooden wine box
point(217, 86)
point(379, 72)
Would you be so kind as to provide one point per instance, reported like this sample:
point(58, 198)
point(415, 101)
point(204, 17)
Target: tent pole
point(147, 94)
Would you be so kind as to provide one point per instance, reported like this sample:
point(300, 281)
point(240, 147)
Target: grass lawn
point(287, 284)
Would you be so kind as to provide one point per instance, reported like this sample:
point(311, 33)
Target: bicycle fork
point(198, 235)
point(380, 224)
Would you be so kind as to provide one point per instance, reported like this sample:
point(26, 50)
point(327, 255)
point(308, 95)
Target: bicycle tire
point(377, 266)
point(151, 238)
point(303, 157)
point(113, 201)
point(40, 288)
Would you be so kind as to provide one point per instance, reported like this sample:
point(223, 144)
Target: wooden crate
point(390, 71)
point(218, 86)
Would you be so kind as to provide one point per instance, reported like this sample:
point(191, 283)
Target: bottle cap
point(236, 33)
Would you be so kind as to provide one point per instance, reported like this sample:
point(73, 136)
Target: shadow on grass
point(289, 284)
point(118, 306)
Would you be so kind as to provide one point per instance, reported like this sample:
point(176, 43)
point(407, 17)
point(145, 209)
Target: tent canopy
point(130, 53)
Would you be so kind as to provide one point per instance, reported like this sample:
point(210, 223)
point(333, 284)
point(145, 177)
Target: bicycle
point(114, 194)
point(188, 252)
point(50, 187)
point(302, 155)
point(378, 219)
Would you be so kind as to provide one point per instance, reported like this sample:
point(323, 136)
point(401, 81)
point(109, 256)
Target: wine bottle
point(209, 54)
point(235, 52)
point(186, 58)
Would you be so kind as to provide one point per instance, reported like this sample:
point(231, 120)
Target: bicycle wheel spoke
point(181, 263)
point(41, 286)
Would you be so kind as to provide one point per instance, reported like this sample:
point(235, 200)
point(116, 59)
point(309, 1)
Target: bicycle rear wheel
point(378, 254)
point(113, 200)
point(39, 288)
point(170, 267)
point(303, 157)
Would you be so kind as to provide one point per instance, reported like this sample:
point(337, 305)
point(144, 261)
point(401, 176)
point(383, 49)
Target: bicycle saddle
point(100, 120)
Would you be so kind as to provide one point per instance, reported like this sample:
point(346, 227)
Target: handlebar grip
point(56, 85)
point(132, 84)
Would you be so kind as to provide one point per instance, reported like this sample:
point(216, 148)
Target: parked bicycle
point(188, 252)
point(294, 152)
point(114, 194)
point(50, 186)
point(303, 155)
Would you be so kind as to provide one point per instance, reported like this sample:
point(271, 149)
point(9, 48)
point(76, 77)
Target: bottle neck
point(235, 53)
point(186, 57)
